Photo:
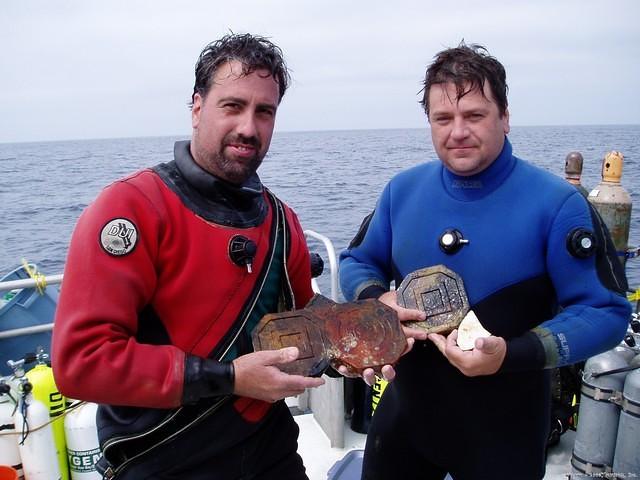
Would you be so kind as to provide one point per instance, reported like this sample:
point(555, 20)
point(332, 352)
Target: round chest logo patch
point(119, 237)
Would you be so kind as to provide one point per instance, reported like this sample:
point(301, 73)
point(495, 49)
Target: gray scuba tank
point(626, 352)
point(627, 454)
point(598, 415)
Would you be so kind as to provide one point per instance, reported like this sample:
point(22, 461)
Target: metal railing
point(28, 283)
point(333, 263)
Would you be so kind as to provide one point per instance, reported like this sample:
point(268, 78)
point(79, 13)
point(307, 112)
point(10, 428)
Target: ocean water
point(331, 178)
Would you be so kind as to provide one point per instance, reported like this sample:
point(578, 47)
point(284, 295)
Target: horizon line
point(9, 142)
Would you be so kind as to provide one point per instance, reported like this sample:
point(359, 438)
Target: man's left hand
point(485, 359)
point(369, 375)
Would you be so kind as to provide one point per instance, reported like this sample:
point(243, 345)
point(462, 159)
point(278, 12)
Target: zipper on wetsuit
point(284, 260)
point(113, 472)
point(258, 292)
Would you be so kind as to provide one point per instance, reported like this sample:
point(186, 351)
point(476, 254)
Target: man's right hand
point(257, 376)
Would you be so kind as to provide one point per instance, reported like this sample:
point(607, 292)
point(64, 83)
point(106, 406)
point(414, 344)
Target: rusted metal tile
point(364, 334)
point(358, 335)
point(437, 291)
point(299, 328)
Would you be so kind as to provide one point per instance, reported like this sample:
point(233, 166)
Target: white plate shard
point(469, 329)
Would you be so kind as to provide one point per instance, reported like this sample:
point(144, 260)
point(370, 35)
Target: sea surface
point(331, 178)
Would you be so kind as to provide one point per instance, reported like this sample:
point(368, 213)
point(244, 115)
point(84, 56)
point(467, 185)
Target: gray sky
point(99, 69)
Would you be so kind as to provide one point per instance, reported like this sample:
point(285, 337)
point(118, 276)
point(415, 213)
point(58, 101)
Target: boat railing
point(333, 263)
point(30, 282)
point(327, 401)
point(38, 282)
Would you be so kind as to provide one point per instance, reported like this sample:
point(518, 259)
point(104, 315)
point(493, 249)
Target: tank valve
point(451, 241)
point(25, 386)
point(18, 366)
point(242, 251)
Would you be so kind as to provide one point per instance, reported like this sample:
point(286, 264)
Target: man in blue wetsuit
point(539, 270)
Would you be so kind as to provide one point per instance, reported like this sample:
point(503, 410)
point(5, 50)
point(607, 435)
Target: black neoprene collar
point(210, 197)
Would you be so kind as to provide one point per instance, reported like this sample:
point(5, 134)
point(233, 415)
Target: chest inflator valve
point(581, 243)
point(242, 251)
point(451, 241)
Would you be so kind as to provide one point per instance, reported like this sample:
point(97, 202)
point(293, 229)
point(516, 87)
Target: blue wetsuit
point(523, 283)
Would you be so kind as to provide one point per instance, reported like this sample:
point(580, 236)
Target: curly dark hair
point(468, 67)
point(253, 51)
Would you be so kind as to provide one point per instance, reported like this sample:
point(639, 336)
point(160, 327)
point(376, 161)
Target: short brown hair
point(468, 67)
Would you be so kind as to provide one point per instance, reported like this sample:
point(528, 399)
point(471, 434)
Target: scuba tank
point(625, 352)
point(46, 392)
point(627, 456)
point(598, 414)
point(83, 448)
point(613, 203)
point(37, 450)
point(573, 171)
point(13, 384)
point(9, 453)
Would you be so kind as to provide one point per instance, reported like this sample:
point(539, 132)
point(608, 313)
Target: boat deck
point(318, 455)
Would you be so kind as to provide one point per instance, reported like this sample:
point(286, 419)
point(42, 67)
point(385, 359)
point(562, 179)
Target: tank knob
point(630, 341)
point(26, 387)
point(317, 265)
point(451, 241)
point(573, 166)
point(30, 357)
point(635, 326)
point(4, 388)
point(242, 251)
point(612, 167)
point(41, 357)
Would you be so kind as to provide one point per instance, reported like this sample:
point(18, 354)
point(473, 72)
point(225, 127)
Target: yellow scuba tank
point(46, 392)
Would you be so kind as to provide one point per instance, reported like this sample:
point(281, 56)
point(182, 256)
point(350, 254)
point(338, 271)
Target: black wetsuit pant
point(269, 453)
point(432, 420)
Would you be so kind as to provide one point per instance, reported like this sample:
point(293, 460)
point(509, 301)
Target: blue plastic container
point(348, 468)
point(26, 308)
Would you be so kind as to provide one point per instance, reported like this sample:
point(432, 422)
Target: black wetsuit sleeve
point(372, 291)
point(204, 377)
point(524, 353)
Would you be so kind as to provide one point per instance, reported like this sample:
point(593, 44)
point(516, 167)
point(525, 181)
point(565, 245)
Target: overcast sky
point(100, 69)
